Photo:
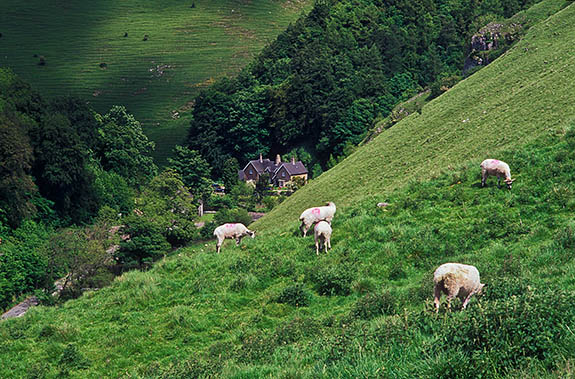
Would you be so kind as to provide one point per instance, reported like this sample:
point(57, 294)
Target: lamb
point(456, 279)
point(497, 168)
point(237, 231)
point(312, 215)
point(322, 233)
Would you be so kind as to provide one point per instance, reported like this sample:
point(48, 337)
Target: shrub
point(295, 295)
point(73, 358)
point(375, 304)
point(146, 242)
point(235, 215)
point(334, 280)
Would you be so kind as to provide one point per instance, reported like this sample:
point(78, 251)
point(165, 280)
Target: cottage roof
point(292, 168)
point(263, 165)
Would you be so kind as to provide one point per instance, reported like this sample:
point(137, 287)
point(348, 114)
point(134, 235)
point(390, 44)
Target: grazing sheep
point(231, 231)
point(312, 215)
point(497, 168)
point(322, 233)
point(456, 279)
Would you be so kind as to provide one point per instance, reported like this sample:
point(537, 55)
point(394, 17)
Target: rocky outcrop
point(490, 42)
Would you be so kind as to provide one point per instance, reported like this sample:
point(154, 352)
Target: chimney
point(278, 159)
point(293, 160)
point(261, 159)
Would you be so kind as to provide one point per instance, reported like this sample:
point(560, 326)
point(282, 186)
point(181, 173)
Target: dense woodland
point(321, 84)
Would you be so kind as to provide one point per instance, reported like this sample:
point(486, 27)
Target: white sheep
point(322, 234)
point(497, 168)
point(456, 279)
point(312, 215)
point(231, 231)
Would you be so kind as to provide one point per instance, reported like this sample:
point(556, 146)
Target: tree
point(61, 168)
point(194, 171)
point(123, 147)
point(16, 185)
point(230, 174)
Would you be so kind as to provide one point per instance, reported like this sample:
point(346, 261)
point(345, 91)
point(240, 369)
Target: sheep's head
point(480, 290)
point(252, 234)
point(509, 182)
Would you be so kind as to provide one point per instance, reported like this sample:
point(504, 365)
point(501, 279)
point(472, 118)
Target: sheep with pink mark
point(231, 231)
point(495, 167)
point(456, 280)
point(313, 215)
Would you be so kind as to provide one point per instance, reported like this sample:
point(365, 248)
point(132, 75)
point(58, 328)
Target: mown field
point(272, 308)
point(187, 48)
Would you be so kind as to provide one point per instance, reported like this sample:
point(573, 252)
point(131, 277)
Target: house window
point(283, 174)
point(251, 171)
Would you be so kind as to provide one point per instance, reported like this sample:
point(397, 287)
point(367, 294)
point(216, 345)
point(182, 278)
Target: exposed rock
point(21, 309)
point(489, 42)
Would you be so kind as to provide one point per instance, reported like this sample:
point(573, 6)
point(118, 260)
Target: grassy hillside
point(272, 308)
point(519, 96)
point(187, 48)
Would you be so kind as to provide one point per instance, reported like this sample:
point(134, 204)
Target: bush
point(375, 304)
point(295, 295)
point(515, 329)
point(73, 358)
point(146, 244)
point(334, 280)
point(235, 215)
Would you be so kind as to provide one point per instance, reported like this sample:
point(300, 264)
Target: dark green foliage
point(16, 185)
point(124, 148)
point(22, 266)
point(230, 174)
point(235, 215)
point(194, 171)
point(333, 280)
point(294, 295)
point(146, 244)
point(329, 75)
point(72, 358)
point(375, 304)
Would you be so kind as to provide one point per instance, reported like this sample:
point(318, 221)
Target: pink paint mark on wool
point(315, 211)
point(230, 225)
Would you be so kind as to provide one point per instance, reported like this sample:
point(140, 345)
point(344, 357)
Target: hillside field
point(524, 93)
point(187, 49)
point(272, 308)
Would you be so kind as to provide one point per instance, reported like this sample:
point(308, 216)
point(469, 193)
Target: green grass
point(521, 95)
point(194, 46)
point(197, 313)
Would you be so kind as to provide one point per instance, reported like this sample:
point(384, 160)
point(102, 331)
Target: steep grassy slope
point(271, 308)
point(187, 48)
point(519, 96)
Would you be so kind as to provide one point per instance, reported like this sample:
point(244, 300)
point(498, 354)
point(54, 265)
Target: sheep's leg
point(437, 293)
point(467, 300)
point(238, 241)
point(305, 229)
point(316, 245)
point(483, 178)
point(449, 298)
point(219, 245)
point(499, 182)
point(329, 243)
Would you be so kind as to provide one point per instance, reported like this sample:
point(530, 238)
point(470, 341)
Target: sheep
point(237, 231)
point(456, 279)
point(497, 168)
point(322, 234)
point(312, 215)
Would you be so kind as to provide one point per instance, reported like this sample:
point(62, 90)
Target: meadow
point(272, 308)
point(87, 53)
